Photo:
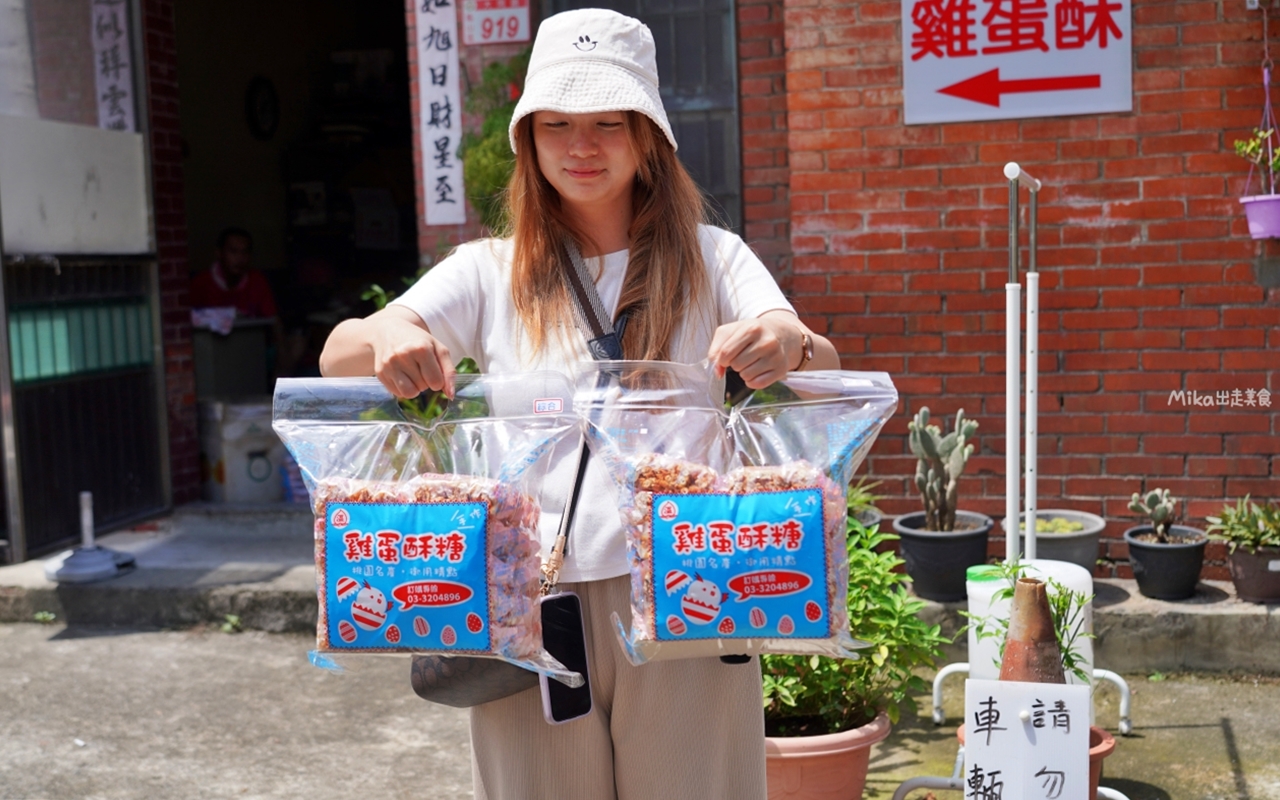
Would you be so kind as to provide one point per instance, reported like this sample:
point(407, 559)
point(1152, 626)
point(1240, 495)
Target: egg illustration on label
point(676, 626)
point(370, 608)
point(346, 587)
point(346, 631)
point(726, 626)
point(420, 626)
point(676, 580)
point(786, 625)
point(393, 634)
point(448, 636)
point(758, 619)
point(812, 611)
point(701, 604)
point(474, 623)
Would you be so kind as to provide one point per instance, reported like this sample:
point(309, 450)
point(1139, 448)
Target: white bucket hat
point(590, 61)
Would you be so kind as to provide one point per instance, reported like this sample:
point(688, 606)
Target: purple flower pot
point(1263, 213)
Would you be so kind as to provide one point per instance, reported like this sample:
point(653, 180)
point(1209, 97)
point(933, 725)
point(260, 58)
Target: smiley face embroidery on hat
point(584, 44)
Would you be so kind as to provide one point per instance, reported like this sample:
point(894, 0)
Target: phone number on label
point(439, 599)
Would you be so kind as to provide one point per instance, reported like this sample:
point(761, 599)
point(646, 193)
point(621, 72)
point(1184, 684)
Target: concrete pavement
point(117, 713)
point(109, 713)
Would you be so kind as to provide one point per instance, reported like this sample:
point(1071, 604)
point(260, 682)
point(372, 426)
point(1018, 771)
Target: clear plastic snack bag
point(735, 519)
point(426, 534)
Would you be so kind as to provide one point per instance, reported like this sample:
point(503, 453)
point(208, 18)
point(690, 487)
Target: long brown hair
point(666, 278)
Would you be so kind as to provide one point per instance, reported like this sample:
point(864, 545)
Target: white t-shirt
point(466, 303)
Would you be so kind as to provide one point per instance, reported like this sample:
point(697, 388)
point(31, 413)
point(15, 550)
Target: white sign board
point(112, 64)
point(495, 21)
point(68, 188)
point(1010, 59)
point(1026, 740)
point(439, 111)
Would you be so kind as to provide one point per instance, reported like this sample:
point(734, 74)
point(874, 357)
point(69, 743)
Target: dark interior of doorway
point(296, 126)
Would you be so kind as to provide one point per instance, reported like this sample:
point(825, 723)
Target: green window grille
point(66, 340)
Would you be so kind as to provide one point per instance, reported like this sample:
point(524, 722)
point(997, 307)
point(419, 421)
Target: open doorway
point(296, 128)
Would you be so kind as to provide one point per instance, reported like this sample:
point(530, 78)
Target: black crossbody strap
point(604, 340)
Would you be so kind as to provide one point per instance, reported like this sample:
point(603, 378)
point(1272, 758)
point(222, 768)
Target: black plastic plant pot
point(1166, 571)
point(937, 560)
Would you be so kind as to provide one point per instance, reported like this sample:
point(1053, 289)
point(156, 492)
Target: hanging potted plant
point(1252, 533)
point(1261, 210)
point(1166, 558)
point(822, 715)
point(940, 543)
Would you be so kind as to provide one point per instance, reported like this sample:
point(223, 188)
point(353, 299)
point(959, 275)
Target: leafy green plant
point(231, 623)
point(45, 617)
point(487, 160)
point(1247, 525)
point(1066, 607)
point(861, 498)
point(1260, 151)
point(940, 460)
point(808, 695)
point(1158, 506)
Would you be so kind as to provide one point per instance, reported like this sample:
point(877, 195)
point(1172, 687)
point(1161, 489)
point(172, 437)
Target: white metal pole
point(1012, 398)
point(1033, 380)
point(1012, 354)
point(86, 519)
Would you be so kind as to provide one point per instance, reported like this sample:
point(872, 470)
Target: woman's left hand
point(762, 350)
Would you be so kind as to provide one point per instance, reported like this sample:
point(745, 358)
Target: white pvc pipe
point(1033, 388)
point(86, 519)
point(1012, 399)
point(1013, 172)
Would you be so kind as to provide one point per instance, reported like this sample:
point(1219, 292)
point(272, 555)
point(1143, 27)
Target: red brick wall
point(763, 108)
point(899, 238)
point(171, 246)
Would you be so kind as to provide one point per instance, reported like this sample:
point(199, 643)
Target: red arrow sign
point(987, 87)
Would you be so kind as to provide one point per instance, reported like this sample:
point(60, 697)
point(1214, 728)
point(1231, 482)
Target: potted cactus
point(939, 543)
point(1166, 558)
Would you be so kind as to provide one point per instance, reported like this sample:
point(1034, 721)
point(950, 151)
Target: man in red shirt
point(231, 281)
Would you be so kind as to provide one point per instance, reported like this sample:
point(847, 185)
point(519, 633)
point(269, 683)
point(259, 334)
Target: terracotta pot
point(828, 767)
point(1101, 744)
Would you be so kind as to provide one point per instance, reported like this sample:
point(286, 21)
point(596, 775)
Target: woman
point(595, 162)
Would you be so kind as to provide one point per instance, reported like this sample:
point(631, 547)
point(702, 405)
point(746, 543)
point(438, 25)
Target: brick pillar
point(161, 59)
point(763, 106)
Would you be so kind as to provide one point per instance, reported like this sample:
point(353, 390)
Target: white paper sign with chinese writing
point(1009, 59)
point(1026, 740)
point(440, 111)
point(494, 21)
point(112, 64)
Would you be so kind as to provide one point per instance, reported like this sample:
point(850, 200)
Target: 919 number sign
point(495, 21)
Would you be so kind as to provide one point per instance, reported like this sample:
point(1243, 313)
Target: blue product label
point(740, 566)
point(405, 576)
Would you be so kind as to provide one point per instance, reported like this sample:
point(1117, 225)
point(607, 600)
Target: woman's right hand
point(393, 345)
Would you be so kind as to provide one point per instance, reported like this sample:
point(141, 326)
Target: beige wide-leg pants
point(691, 728)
